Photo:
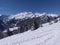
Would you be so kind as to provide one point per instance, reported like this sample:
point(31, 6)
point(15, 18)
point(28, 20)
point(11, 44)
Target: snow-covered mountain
point(22, 22)
point(29, 28)
point(29, 15)
point(46, 35)
point(13, 19)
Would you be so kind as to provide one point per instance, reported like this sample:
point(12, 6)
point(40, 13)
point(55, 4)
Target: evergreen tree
point(9, 33)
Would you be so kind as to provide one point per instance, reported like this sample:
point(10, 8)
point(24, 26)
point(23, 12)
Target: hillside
point(29, 28)
point(46, 35)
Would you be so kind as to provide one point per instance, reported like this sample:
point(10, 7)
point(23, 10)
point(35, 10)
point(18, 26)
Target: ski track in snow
point(46, 35)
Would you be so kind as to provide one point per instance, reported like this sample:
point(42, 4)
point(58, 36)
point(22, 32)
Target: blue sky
point(9, 7)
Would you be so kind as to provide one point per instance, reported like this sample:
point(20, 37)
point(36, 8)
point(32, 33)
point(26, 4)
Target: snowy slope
point(46, 35)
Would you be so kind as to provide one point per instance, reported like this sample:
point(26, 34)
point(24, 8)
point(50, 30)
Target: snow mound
point(46, 35)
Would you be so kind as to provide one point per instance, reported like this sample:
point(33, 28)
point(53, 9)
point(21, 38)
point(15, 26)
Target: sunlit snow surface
point(46, 35)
